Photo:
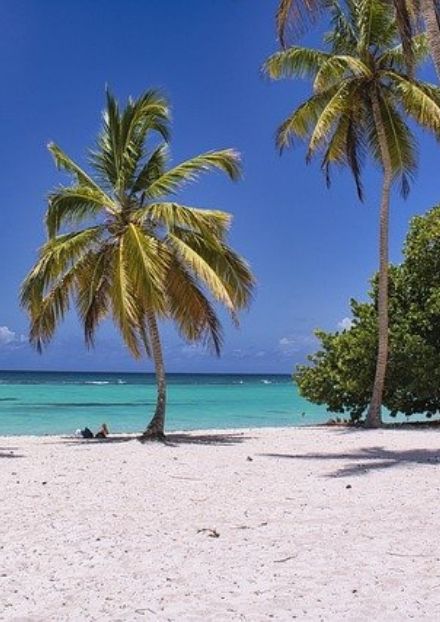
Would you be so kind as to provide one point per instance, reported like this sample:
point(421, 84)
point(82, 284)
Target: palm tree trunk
point(156, 427)
point(373, 419)
point(429, 13)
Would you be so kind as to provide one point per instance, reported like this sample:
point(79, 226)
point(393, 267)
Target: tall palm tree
point(119, 245)
point(361, 98)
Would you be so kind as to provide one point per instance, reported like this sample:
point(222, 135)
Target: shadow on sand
point(183, 438)
point(9, 452)
point(174, 439)
point(366, 459)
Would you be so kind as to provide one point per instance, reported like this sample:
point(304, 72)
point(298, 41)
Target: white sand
point(343, 525)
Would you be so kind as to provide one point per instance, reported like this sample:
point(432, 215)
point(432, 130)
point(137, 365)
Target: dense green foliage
point(341, 373)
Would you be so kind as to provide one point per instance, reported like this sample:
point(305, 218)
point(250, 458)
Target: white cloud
point(290, 345)
point(9, 339)
point(192, 350)
point(345, 324)
point(286, 341)
point(7, 335)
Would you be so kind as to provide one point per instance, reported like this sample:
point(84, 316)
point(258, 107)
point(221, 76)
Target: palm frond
point(335, 68)
point(50, 311)
point(151, 170)
point(395, 57)
point(46, 294)
point(190, 308)
point(92, 287)
point(146, 263)
point(201, 269)
point(421, 101)
point(73, 204)
point(148, 113)
point(401, 144)
point(346, 147)
point(124, 305)
point(376, 24)
point(343, 36)
point(340, 103)
point(300, 122)
point(55, 257)
point(64, 163)
point(295, 62)
point(405, 26)
point(233, 271)
point(295, 15)
point(171, 215)
point(226, 160)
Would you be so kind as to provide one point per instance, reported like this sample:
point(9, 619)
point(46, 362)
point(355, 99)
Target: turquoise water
point(58, 403)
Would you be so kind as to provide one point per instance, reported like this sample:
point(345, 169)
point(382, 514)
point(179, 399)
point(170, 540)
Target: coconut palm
point(119, 245)
point(361, 99)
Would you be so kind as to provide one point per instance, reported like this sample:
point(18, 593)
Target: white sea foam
point(96, 382)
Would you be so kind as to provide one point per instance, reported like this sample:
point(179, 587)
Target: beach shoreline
point(249, 524)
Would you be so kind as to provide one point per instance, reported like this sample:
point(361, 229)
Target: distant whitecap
point(97, 382)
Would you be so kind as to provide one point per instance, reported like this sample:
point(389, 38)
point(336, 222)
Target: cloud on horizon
point(291, 345)
point(10, 338)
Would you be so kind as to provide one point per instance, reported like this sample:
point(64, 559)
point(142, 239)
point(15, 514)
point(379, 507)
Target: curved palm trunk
point(156, 427)
point(429, 13)
point(374, 419)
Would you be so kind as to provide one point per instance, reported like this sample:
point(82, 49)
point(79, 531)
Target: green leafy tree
point(362, 96)
point(341, 374)
point(120, 246)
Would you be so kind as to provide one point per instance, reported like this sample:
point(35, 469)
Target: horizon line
point(148, 373)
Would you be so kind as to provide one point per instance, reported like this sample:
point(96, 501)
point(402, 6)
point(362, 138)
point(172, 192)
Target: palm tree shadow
point(9, 452)
point(81, 442)
point(368, 459)
point(183, 438)
point(174, 439)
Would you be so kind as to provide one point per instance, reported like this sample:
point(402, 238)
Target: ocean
point(40, 403)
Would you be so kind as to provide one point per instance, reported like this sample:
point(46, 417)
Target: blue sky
point(311, 249)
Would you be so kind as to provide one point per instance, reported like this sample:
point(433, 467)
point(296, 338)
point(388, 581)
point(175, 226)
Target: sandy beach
point(254, 525)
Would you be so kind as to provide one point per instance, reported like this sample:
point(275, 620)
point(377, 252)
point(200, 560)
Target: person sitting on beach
point(87, 433)
point(102, 432)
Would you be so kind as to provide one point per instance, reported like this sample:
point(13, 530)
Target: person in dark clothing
point(87, 433)
point(102, 432)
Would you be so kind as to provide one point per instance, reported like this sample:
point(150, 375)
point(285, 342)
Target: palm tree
point(361, 98)
point(119, 245)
